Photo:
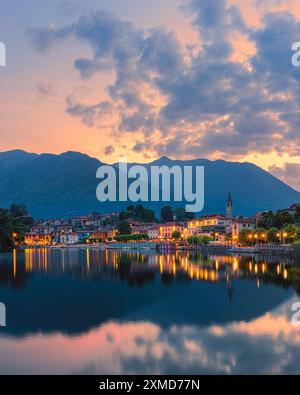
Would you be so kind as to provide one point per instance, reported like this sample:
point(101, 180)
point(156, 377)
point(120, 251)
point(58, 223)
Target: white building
point(69, 238)
point(240, 224)
point(153, 232)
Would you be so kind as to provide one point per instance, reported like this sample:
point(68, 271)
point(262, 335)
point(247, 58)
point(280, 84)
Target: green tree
point(12, 227)
point(180, 214)
point(18, 210)
point(297, 213)
point(176, 234)
point(124, 228)
point(198, 240)
point(282, 219)
point(246, 237)
point(292, 232)
point(266, 220)
point(138, 213)
point(167, 214)
point(272, 234)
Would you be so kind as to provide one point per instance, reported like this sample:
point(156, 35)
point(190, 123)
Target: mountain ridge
point(63, 185)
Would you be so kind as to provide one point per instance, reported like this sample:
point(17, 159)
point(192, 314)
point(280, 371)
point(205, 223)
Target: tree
point(292, 232)
point(246, 237)
point(180, 214)
point(143, 214)
point(126, 238)
point(260, 235)
point(124, 228)
point(125, 214)
point(282, 219)
point(272, 234)
point(167, 214)
point(12, 227)
point(266, 220)
point(199, 240)
point(138, 213)
point(176, 235)
point(18, 210)
point(297, 213)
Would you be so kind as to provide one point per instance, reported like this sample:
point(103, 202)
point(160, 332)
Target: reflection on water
point(91, 311)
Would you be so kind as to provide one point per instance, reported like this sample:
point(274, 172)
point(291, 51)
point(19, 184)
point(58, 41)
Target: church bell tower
point(229, 207)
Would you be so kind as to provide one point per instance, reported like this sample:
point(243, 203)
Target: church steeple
point(229, 206)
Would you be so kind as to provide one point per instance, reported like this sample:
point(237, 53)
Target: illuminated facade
point(153, 232)
point(166, 230)
point(208, 225)
point(69, 238)
point(240, 224)
point(37, 239)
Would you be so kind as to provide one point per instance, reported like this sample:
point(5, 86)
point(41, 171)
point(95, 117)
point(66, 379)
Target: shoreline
point(168, 248)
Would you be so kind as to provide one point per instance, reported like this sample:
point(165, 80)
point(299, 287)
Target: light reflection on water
point(102, 312)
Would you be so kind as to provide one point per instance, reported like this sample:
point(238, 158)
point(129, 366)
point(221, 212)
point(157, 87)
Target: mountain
point(65, 185)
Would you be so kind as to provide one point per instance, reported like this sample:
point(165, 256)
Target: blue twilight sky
point(183, 78)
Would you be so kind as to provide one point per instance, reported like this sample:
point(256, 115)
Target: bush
point(126, 238)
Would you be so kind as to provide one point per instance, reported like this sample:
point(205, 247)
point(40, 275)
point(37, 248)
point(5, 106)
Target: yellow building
point(37, 239)
point(208, 224)
point(166, 230)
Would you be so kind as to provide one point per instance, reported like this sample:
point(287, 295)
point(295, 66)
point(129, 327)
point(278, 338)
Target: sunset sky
point(138, 78)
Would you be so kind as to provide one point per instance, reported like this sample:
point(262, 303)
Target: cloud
point(109, 150)
point(268, 344)
point(289, 173)
point(45, 89)
point(68, 8)
point(163, 91)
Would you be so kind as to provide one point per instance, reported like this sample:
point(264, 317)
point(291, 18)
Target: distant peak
point(163, 159)
point(16, 154)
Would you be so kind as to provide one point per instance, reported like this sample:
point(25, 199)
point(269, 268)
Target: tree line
point(14, 223)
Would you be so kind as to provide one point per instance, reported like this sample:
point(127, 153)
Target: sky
point(182, 78)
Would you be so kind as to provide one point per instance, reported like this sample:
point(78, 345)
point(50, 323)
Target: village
point(116, 229)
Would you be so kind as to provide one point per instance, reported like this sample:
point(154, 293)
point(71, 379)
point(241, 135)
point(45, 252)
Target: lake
point(77, 311)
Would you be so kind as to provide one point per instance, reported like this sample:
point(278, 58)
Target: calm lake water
point(110, 312)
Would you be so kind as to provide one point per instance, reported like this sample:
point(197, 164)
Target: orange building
point(37, 239)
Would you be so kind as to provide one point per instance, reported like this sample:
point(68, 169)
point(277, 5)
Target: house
point(153, 232)
point(82, 222)
point(216, 223)
point(69, 238)
point(166, 230)
point(99, 235)
point(37, 239)
point(239, 224)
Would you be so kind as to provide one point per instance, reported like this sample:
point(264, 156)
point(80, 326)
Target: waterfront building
point(166, 230)
point(239, 224)
point(69, 238)
point(216, 223)
point(37, 239)
point(153, 232)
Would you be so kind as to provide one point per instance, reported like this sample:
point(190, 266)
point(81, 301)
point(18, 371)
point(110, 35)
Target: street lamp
point(279, 237)
point(14, 236)
point(250, 237)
